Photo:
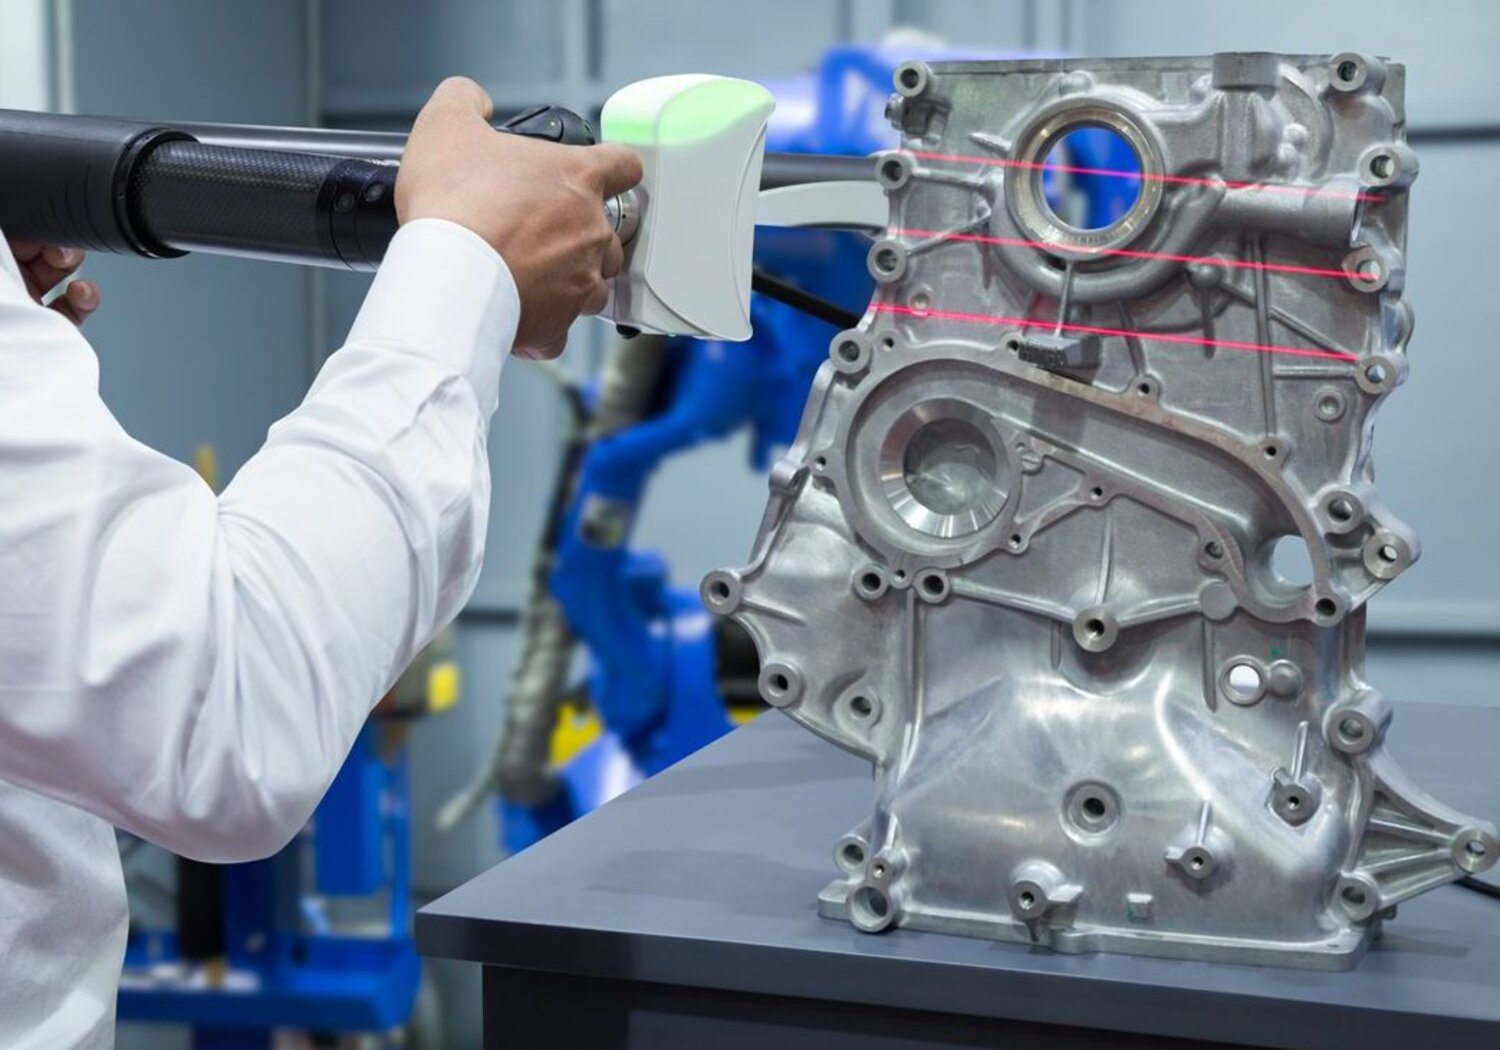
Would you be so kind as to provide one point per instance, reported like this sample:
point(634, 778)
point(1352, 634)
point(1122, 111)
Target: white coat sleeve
point(195, 668)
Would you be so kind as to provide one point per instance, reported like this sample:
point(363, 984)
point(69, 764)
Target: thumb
point(463, 93)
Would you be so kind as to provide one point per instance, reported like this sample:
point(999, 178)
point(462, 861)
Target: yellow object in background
point(442, 686)
point(206, 463)
point(577, 727)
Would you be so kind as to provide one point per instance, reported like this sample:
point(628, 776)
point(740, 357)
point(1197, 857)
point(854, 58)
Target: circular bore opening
point(900, 575)
point(910, 78)
point(1143, 389)
point(853, 854)
point(1094, 808)
point(892, 170)
point(870, 581)
point(1352, 730)
point(871, 907)
point(1341, 510)
point(1196, 862)
point(950, 467)
point(1389, 554)
point(1028, 900)
point(848, 351)
point(1376, 373)
point(719, 590)
point(1354, 896)
point(779, 682)
point(1326, 607)
point(1214, 549)
point(1383, 165)
point(933, 584)
point(1244, 682)
point(1272, 451)
point(1348, 71)
point(1090, 178)
point(1094, 628)
point(862, 707)
point(1294, 802)
point(887, 261)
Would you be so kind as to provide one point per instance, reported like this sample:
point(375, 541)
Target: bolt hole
point(1196, 863)
point(849, 351)
point(1383, 165)
point(1094, 808)
point(933, 584)
point(910, 78)
point(892, 170)
point(888, 342)
point(821, 462)
point(921, 302)
point(1016, 541)
point(900, 575)
point(1348, 71)
point(1354, 896)
point(719, 590)
point(861, 707)
point(870, 905)
point(1294, 802)
point(1341, 510)
point(1097, 492)
point(1143, 389)
point(870, 581)
point(1214, 549)
point(1326, 608)
point(1094, 628)
point(1272, 451)
point(1013, 345)
point(886, 260)
point(1352, 730)
point(853, 854)
point(1028, 900)
point(779, 683)
point(1244, 682)
point(1376, 373)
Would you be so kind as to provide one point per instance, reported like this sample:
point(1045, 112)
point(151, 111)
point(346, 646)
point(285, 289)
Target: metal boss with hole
point(1020, 556)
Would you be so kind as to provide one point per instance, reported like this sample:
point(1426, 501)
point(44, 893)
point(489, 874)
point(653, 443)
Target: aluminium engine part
point(1020, 555)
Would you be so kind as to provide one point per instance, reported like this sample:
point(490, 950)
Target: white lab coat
point(193, 668)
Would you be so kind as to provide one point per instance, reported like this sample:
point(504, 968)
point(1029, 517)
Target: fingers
point(617, 168)
point(44, 268)
point(78, 302)
point(545, 352)
point(597, 299)
point(463, 93)
point(613, 260)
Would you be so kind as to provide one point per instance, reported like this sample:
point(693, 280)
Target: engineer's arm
point(195, 668)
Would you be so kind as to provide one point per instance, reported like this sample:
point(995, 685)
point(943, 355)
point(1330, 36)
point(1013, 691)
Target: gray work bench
point(682, 915)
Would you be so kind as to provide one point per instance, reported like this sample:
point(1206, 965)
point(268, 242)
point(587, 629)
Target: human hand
point(539, 204)
point(44, 267)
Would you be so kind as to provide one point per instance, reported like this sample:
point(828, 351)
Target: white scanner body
point(701, 140)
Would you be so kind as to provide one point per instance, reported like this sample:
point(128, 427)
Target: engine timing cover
point(1023, 554)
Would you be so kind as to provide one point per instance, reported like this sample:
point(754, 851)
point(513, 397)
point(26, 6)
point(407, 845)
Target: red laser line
point(1209, 260)
point(1163, 337)
point(1180, 180)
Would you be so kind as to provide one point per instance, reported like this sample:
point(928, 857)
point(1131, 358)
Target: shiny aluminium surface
point(1035, 551)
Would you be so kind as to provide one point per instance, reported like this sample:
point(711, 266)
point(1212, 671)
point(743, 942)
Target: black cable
point(1488, 889)
point(773, 287)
